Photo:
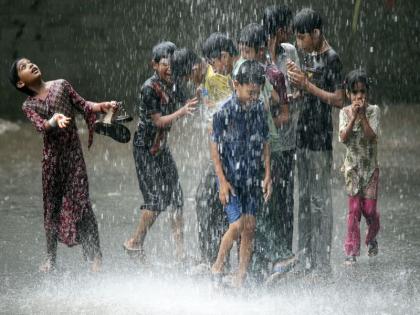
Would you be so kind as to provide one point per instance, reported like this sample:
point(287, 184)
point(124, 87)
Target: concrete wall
point(103, 47)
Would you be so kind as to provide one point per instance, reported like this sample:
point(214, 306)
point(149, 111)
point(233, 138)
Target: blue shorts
point(245, 202)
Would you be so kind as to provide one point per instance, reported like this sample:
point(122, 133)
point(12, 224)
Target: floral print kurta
point(64, 177)
point(360, 164)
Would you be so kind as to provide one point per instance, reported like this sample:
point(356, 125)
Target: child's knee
point(237, 227)
point(250, 222)
point(249, 225)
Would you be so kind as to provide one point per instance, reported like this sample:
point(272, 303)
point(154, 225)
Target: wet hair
point(306, 20)
point(253, 35)
point(163, 50)
point(182, 62)
point(216, 43)
point(14, 78)
point(275, 17)
point(354, 77)
point(250, 71)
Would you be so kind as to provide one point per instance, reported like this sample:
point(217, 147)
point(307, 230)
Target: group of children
point(267, 111)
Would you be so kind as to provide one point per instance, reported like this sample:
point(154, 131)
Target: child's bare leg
point(50, 261)
point(96, 264)
point(231, 235)
point(89, 238)
point(177, 223)
point(246, 247)
point(147, 218)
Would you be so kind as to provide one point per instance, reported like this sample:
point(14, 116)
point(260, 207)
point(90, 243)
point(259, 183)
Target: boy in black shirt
point(156, 170)
point(320, 81)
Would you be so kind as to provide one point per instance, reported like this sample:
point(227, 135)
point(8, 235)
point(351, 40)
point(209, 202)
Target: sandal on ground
point(284, 265)
point(350, 260)
point(281, 269)
point(373, 248)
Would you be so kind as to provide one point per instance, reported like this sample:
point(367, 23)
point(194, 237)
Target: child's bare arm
point(267, 183)
point(163, 121)
point(335, 98)
point(225, 188)
point(351, 116)
point(267, 161)
point(298, 78)
point(367, 130)
point(346, 132)
point(104, 107)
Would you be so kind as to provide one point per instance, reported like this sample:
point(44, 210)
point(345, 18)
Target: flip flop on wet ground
point(281, 269)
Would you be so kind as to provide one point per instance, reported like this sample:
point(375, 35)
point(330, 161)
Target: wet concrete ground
point(387, 284)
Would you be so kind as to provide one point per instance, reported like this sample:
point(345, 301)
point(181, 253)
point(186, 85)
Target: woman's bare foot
point(96, 264)
point(48, 265)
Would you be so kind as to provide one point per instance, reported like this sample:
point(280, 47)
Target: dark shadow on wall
point(103, 46)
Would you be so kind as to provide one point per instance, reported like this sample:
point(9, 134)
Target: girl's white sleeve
point(343, 121)
point(374, 119)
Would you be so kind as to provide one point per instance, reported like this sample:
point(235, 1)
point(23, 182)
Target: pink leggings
point(358, 206)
